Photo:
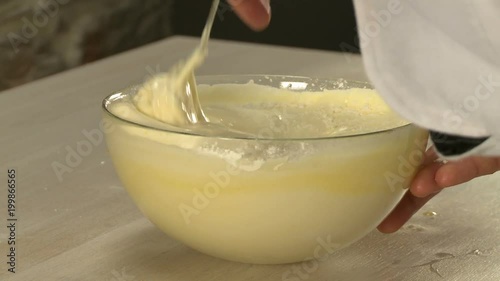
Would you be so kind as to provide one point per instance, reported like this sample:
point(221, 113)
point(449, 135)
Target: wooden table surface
point(80, 224)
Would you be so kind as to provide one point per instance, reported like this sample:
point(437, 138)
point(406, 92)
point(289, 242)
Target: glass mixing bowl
point(289, 200)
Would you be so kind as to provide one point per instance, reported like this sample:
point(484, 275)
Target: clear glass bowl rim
point(230, 77)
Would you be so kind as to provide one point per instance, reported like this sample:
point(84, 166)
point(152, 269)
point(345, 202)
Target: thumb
point(254, 13)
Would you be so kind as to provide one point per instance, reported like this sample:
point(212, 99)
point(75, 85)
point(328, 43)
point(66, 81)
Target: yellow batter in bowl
point(320, 164)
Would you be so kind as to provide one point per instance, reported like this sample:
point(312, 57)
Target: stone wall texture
point(43, 37)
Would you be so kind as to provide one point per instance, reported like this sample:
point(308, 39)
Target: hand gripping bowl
point(318, 195)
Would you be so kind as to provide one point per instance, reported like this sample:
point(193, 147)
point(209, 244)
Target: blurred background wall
point(43, 37)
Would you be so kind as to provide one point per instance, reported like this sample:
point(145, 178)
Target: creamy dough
point(172, 97)
point(272, 186)
point(263, 201)
point(255, 110)
point(263, 112)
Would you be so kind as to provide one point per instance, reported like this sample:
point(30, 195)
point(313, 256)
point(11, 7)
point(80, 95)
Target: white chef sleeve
point(437, 63)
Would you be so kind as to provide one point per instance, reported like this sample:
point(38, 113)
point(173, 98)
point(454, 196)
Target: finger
point(424, 182)
point(462, 171)
point(405, 209)
point(254, 13)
